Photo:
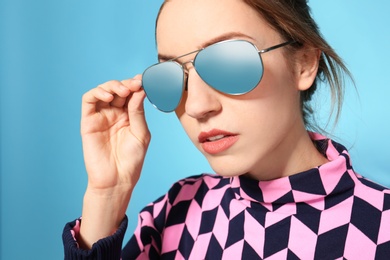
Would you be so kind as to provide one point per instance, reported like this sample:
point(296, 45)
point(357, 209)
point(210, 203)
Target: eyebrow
point(222, 37)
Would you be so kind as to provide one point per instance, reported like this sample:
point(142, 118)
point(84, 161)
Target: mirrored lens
point(232, 67)
point(163, 85)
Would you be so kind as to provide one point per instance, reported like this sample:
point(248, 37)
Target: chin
point(227, 170)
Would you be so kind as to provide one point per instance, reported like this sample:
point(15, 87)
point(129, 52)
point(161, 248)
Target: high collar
point(313, 186)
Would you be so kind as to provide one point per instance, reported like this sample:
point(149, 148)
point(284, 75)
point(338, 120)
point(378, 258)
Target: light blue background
point(51, 52)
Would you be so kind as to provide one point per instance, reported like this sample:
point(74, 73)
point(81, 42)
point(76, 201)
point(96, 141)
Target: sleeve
point(146, 242)
point(106, 248)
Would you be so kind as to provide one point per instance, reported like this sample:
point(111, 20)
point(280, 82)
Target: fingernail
point(107, 95)
point(137, 81)
point(123, 87)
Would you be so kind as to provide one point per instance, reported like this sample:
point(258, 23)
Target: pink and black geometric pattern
point(329, 212)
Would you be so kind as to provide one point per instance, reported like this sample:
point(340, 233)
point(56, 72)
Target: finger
point(92, 97)
point(136, 112)
point(118, 91)
point(119, 102)
point(114, 93)
point(134, 84)
point(116, 88)
point(138, 76)
point(122, 97)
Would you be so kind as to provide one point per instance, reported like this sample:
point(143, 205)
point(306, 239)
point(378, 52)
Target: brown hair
point(292, 19)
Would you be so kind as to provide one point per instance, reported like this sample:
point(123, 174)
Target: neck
point(295, 154)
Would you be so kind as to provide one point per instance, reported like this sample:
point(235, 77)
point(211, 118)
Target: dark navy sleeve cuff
point(106, 248)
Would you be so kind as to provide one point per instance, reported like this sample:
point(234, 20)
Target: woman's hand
point(114, 134)
point(115, 139)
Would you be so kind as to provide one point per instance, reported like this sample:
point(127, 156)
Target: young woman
point(239, 75)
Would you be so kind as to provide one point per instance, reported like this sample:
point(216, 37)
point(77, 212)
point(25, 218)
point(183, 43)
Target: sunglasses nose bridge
point(185, 66)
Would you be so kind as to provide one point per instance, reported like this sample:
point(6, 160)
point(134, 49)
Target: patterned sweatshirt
point(328, 212)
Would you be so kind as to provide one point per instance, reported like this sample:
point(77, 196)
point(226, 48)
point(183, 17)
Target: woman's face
point(255, 133)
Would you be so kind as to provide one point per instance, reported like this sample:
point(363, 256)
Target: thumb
point(138, 125)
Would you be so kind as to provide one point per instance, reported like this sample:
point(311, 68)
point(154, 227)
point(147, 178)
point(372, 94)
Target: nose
point(202, 101)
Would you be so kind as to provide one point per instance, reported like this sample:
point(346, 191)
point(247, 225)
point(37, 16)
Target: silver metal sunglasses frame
point(185, 71)
point(199, 50)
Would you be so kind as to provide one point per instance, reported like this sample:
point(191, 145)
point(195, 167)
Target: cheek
point(181, 115)
point(275, 101)
point(180, 110)
point(278, 69)
point(189, 124)
point(279, 81)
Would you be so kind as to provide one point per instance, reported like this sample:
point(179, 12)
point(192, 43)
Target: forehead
point(185, 25)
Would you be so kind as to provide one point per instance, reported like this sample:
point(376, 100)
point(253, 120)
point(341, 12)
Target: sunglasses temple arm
point(277, 46)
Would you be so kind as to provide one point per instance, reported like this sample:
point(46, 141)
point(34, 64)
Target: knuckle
point(109, 85)
point(85, 96)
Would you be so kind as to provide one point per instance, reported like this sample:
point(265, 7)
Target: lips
point(217, 141)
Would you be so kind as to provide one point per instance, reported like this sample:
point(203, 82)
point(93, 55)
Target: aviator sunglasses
point(232, 67)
